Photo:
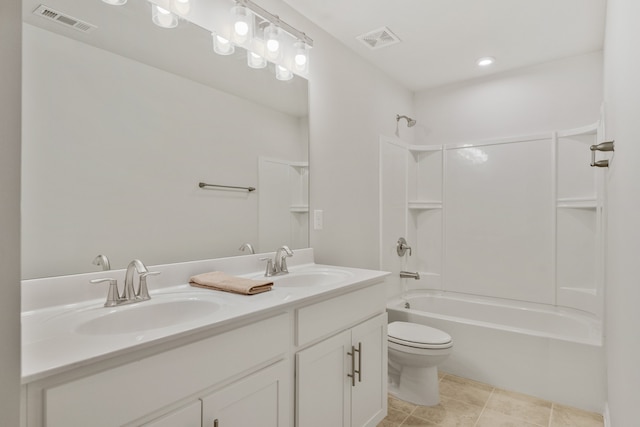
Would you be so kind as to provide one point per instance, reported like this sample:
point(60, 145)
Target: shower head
point(410, 121)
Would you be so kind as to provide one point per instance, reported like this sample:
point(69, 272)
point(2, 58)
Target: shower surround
point(515, 220)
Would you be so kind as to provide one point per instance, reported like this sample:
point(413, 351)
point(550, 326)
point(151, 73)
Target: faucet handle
point(143, 290)
point(402, 247)
point(113, 296)
point(269, 270)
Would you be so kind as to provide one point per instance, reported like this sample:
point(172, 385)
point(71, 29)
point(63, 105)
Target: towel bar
point(202, 185)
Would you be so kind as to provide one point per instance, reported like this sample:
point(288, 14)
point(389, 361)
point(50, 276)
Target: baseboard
point(606, 416)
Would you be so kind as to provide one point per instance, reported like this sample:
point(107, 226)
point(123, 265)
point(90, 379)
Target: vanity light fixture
point(273, 49)
point(301, 57)
point(182, 6)
point(162, 17)
point(242, 24)
point(115, 2)
point(222, 46)
point(283, 73)
point(485, 61)
point(264, 35)
point(255, 60)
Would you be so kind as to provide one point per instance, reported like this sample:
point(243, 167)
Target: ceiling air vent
point(376, 39)
point(61, 18)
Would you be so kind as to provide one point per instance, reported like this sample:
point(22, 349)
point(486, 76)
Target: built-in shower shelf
point(299, 208)
point(424, 205)
point(577, 203)
point(424, 148)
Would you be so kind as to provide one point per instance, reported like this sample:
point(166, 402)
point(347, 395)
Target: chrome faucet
point(247, 246)
point(103, 261)
point(278, 265)
point(129, 295)
point(135, 265)
point(280, 261)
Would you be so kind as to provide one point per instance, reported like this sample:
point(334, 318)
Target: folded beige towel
point(224, 282)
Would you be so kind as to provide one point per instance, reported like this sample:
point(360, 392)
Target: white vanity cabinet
point(309, 353)
point(261, 399)
point(341, 381)
point(140, 391)
point(189, 416)
point(258, 400)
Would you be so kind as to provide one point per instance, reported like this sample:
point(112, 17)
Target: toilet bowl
point(415, 351)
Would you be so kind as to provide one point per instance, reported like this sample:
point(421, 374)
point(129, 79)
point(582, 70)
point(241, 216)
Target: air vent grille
point(63, 19)
point(376, 39)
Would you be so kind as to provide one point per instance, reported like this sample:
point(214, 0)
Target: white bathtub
point(550, 352)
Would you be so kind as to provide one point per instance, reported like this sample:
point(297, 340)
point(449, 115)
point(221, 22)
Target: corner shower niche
point(283, 203)
point(516, 218)
point(424, 207)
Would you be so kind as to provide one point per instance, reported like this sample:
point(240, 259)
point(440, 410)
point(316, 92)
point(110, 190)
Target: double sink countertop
point(65, 325)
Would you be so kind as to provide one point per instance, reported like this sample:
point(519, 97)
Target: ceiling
point(442, 39)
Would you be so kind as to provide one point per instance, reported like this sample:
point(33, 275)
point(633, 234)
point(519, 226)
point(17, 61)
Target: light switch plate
point(317, 219)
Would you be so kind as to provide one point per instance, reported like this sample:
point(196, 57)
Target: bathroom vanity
point(310, 352)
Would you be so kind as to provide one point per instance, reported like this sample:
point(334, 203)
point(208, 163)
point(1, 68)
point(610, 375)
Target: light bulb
point(283, 73)
point(301, 57)
point(162, 17)
point(222, 46)
point(242, 20)
point(241, 28)
point(255, 61)
point(272, 43)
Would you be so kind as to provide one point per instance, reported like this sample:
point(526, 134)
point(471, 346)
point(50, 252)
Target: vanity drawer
point(333, 315)
point(120, 395)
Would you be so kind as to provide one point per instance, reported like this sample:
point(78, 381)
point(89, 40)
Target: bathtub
point(550, 352)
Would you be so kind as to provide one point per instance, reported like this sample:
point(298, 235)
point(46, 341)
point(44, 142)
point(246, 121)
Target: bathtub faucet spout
point(410, 275)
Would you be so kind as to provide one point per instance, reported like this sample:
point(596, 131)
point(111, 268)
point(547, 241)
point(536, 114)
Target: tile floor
point(466, 403)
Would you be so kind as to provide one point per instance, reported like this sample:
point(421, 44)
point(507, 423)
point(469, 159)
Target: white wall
point(556, 95)
point(351, 105)
point(10, 66)
point(113, 151)
point(622, 103)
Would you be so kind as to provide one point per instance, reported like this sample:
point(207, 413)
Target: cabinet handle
point(215, 423)
point(359, 371)
point(352, 375)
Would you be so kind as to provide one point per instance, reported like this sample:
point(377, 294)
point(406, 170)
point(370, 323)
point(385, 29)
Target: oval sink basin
point(145, 316)
point(310, 278)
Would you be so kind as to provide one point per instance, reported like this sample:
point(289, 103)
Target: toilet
point(415, 351)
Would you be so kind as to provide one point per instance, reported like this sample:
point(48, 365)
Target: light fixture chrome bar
point(275, 19)
point(203, 185)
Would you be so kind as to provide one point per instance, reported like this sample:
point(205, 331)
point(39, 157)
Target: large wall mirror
point(122, 122)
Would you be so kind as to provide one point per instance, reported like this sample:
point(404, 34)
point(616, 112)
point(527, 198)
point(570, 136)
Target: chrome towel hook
point(604, 146)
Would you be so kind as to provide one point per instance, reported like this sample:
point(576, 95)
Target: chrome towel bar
point(233, 187)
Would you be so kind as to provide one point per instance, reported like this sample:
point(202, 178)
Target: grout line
point(551, 413)
point(484, 407)
point(407, 417)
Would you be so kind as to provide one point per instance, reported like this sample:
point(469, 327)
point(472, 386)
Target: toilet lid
point(416, 335)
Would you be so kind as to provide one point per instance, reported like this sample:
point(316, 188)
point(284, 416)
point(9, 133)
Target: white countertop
point(53, 308)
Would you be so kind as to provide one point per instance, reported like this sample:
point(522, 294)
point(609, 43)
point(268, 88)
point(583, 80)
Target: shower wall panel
point(499, 225)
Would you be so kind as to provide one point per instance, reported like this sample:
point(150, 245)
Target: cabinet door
point(369, 395)
point(260, 399)
point(323, 390)
point(189, 416)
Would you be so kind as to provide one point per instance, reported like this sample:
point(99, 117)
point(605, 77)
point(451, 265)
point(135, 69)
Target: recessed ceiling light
point(486, 61)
